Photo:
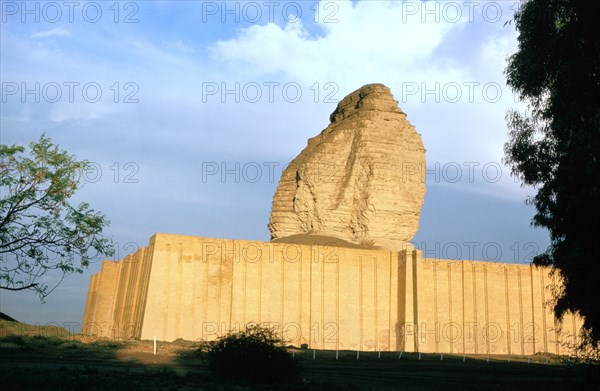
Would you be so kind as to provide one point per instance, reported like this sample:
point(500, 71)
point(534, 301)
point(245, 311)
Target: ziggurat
point(327, 297)
point(340, 273)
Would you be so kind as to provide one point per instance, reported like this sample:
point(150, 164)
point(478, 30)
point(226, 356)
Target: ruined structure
point(357, 180)
point(346, 295)
point(327, 297)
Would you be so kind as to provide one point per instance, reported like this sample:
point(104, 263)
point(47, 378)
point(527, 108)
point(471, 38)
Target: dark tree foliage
point(555, 145)
point(40, 232)
point(255, 354)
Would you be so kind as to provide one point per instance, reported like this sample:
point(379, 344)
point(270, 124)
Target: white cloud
point(376, 41)
point(55, 32)
point(64, 111)
point(183, 47)
point(368, 41)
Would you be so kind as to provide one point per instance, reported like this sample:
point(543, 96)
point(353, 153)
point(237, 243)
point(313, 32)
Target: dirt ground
point(73, 361)
point(49, 358)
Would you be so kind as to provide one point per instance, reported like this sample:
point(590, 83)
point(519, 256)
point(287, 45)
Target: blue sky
point(162, 96)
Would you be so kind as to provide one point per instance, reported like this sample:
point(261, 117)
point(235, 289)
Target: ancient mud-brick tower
point(340, 272)
point(359, 179)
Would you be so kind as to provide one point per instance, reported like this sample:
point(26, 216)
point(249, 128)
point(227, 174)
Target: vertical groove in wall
point(221, 263)
point(544, 325)
point(138, 288)
point(220, 281)
point(131, 290)
point(95, 305)
point(556, 323)
point(206, 284)
point(136, 293)
point(507, 311)
point(282, 293)
point(487, 313)
point(375, 303)
point(179, 290)
point(360, 303)
point(260, 277)
point(521, 327)
point(415, 298)
point(533, 335)
point(92, 299)
point(310, 305)
point(147, 268)
point(135, 317)
point(117, 303)
point(322, 320)
point(337, 304)
point(166, 294)
point(120, 296)
point(449, 264)
point(92, 316)
point(124, 301)
point(390, 294)
point(244, 292)
point(195, 299)
point(98, 296)
point(462, 270)
point(240, 258)
point(300, 309)
point(116, 299)
point(474, 279)
point(435, 304)
point(112, 294)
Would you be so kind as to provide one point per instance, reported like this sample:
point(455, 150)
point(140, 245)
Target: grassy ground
point(39, 358)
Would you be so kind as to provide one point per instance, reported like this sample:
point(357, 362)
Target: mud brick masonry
point(327, 297)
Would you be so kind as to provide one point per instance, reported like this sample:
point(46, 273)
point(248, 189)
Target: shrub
point(256, 354)
point(16, 339)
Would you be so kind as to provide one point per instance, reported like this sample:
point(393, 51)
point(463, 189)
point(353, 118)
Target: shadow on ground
point(33, 362)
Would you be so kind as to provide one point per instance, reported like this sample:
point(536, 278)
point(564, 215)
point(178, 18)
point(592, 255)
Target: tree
point(555, 145)
point(40, 232)
point(256, 354)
